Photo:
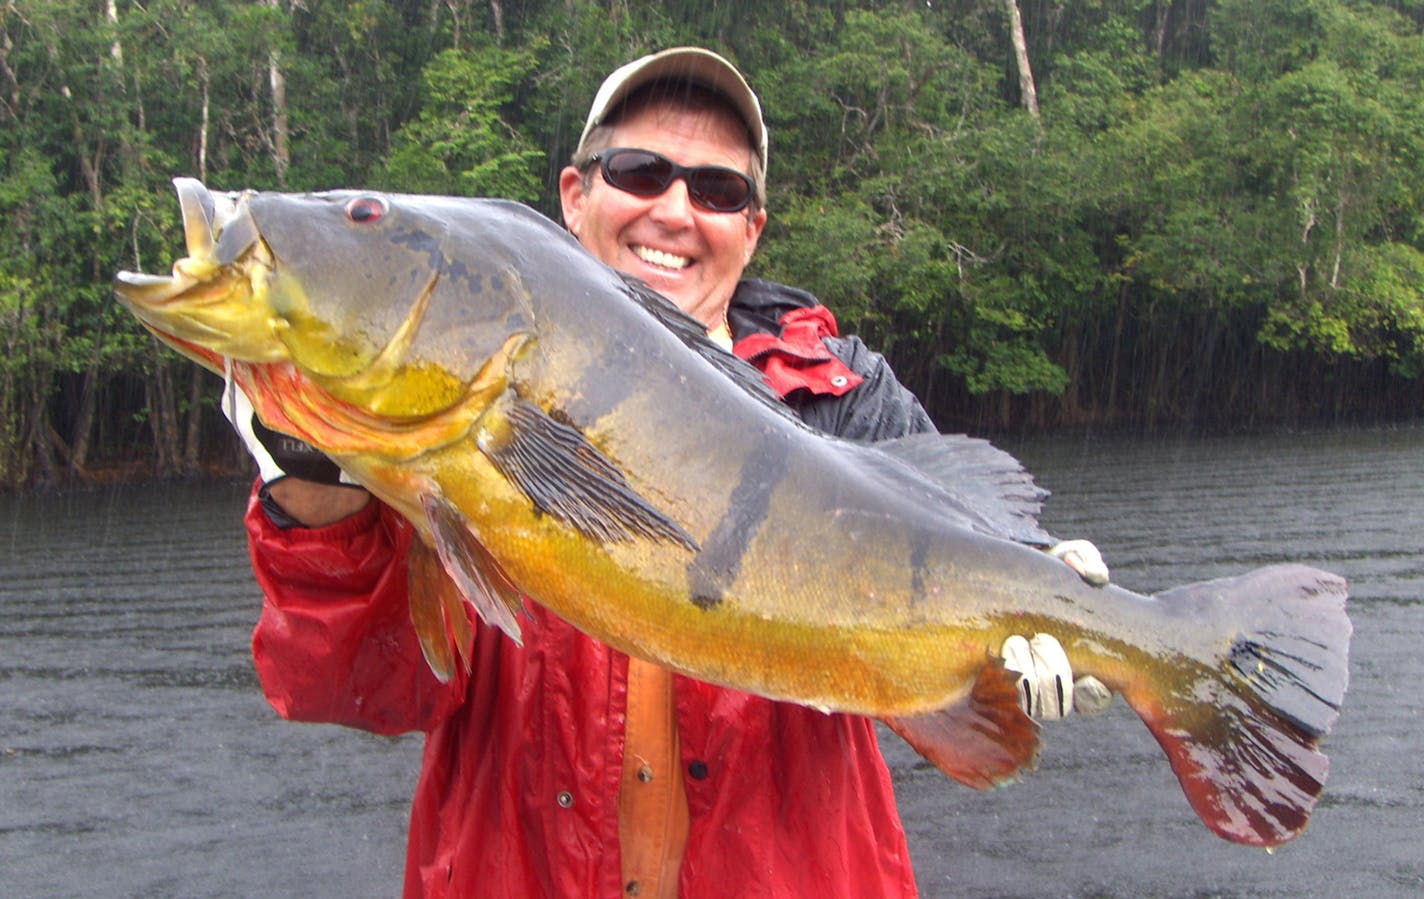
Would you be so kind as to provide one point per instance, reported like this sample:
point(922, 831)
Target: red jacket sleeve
point(335, 643)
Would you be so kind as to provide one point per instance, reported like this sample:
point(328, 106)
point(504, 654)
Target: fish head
point(357, 296)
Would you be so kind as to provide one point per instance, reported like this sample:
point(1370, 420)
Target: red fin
point(1250, 777)
point(427, 610)
point(982, 741)
point(1242, 731)
point(475, 573)
point(457, 620)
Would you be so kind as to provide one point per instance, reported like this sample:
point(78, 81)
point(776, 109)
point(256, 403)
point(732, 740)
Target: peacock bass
point(557, 431)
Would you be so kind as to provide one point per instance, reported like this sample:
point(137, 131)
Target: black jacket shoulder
point(880, 408)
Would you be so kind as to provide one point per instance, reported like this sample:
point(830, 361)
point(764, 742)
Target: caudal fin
point(1243, 732)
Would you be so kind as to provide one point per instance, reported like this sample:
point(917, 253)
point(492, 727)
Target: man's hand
point(1047, 691)
point(1084, 558)
point(278, 455)
point(308, 487)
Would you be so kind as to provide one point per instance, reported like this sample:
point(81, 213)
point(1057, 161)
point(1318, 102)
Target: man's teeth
point(661, 259)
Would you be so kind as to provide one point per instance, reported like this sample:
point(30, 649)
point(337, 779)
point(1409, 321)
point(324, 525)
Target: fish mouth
point(205, 308)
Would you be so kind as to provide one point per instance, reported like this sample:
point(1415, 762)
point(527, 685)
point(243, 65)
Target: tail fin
point(1242, 733)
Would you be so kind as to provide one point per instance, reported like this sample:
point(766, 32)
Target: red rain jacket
point(518, 795)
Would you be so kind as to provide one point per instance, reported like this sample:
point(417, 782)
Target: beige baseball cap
point(680, 64)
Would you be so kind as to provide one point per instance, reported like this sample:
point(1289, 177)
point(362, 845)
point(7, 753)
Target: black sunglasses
point(647, 174)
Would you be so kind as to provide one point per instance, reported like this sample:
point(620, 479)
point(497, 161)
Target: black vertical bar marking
point(716, 567)
point(919, 565)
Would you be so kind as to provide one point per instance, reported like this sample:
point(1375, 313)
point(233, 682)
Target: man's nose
point(673, 205)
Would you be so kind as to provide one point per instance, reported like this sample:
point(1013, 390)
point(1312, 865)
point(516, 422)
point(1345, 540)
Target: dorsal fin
point(986, 485)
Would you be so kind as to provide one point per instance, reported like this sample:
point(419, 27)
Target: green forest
point(1141, 214)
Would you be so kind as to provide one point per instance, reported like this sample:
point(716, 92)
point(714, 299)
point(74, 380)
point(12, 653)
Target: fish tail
point(1243, 733)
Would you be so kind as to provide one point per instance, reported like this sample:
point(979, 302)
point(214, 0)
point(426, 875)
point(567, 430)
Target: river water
point(138, 759)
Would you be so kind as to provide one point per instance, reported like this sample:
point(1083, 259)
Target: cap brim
point(692, 64)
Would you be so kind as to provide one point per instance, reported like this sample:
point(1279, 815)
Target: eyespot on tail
point(1243, 734)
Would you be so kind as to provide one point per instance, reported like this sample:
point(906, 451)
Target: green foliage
point(459, 143)
point(834, 248)
point(1209, 184)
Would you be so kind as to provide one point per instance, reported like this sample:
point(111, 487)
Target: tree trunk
point(204, 119)
point(39, 433)
point(1159, 28)
point(193, 431)
point(1028, 94)
point(163, 419)
point(497, 17)
point(455, 29)
point(11, 80)
point(281, 154)
point(84, 422)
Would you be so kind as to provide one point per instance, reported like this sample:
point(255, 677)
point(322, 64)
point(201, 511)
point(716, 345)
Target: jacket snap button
point(838, 381)
point(698, 770)
point(565, 799)
point(645, 774)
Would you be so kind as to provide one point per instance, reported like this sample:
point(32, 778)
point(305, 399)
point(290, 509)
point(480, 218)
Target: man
point(565, 768)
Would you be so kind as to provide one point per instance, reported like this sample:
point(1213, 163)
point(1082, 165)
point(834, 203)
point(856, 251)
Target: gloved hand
point(1084, 558)
point(1047, 690)
point(278, 455)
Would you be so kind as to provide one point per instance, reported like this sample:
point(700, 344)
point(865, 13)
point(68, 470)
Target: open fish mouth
point(217, 229)
point(205, 306)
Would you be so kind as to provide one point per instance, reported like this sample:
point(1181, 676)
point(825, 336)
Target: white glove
point(1047, 690)
point(1084, 558)
point(278, 455)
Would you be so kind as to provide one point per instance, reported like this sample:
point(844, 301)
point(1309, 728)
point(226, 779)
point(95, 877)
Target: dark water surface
point(138, 758)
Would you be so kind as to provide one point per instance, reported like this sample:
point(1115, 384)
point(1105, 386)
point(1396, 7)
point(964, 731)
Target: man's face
point(692, 255)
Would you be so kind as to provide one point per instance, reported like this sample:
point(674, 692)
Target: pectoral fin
point(567, 477)
point(982, 741)
point(475, 573)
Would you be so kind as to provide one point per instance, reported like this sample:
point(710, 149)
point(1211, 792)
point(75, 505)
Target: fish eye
point(367, 210)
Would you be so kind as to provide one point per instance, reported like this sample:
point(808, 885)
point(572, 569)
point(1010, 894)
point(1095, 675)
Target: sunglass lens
point(718, 190)
point(638, 173)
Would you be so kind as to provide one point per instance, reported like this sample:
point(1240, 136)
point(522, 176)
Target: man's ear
point(756, 222)
point(571, 195)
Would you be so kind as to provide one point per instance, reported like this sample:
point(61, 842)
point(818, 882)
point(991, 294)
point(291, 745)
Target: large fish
point(556, 431)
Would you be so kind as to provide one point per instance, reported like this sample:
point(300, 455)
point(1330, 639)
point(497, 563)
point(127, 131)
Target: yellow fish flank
point(538, 417)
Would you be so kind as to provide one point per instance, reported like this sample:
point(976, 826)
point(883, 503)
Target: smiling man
point(564, 768)
point(689, 237)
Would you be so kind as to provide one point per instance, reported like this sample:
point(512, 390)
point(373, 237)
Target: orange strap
point(652, 802)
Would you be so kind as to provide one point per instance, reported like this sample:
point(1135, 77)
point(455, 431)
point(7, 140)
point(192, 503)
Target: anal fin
point(475, 573)
point(437, 613)
point(982, 741)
